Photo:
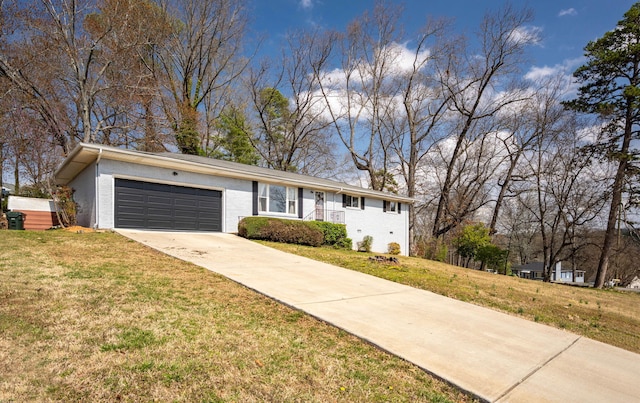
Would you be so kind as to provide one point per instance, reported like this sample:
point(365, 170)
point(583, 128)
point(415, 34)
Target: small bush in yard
point(365, 244)
point(280, 230)
point(393, 248)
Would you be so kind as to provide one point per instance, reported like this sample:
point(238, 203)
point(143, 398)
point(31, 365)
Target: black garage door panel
point(155, 206)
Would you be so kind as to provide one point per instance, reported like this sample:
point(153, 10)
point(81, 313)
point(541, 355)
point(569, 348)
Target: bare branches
point(469, 79)
point(292, 130)
point(200, 63)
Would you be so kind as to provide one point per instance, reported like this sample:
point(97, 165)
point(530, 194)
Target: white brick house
point(118, 188)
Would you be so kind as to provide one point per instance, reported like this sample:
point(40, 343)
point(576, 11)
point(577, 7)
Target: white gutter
point(97, 179)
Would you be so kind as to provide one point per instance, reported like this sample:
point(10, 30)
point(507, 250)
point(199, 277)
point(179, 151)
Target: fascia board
point(84, 154)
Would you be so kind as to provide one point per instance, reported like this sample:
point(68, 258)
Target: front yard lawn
point(96, 317)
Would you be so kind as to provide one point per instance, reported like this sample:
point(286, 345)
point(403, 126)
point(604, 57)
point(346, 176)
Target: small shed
point(39, 214)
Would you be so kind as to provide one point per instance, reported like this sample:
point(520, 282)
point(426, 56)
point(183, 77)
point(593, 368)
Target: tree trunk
point(502, 194)
point(616, 199)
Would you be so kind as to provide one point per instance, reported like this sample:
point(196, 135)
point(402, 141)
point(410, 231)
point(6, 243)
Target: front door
point(319, 206)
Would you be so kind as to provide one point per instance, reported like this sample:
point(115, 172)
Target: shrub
point(393, 248)
point(334, 234)
point(249, 227)
point(365, 244)
point(280, 230)
point(433, 249)
point(441, 253)
point(65, 206)
point(345, 243)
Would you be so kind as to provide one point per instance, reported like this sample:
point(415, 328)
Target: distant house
point(535, 271)
point(7, 190)
point(118, 188)
point(635, 283)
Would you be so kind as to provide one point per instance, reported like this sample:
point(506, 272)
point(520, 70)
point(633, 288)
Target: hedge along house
point(118, 188)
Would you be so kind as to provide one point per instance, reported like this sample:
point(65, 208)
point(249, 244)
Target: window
point(352, 201)
point(391, 207)
point(276, 199)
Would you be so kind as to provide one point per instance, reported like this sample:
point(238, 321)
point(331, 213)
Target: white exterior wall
point(236, 194)
point(384, 227)
point(84, 187)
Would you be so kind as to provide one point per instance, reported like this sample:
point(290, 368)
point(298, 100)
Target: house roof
point(533, 266)
point(84, 154)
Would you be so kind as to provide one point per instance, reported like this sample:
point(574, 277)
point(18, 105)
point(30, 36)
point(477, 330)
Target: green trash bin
point(16, 220)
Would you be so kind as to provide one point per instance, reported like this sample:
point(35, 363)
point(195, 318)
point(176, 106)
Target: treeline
point(457, 124)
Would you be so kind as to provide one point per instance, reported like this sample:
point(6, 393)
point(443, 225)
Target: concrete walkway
point(494, 356)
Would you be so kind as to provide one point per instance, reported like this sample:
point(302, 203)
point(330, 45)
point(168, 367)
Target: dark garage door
point(155, 206)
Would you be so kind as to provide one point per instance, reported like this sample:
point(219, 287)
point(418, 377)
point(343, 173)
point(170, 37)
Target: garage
point(146, 205)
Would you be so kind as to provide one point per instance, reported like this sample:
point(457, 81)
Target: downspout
point(96, 225)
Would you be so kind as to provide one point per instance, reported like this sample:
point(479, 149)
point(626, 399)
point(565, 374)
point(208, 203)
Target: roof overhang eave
point(85, 154)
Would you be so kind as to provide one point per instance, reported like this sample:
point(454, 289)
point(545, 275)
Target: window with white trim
point(389, 206)
point(352, 201)
point(277, 199)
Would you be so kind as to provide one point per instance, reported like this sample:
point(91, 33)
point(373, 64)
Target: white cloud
point(566, 67)
point(568, 11)
point(404, 58)
point(526, 35)
point(306, 4)
point(536, 73)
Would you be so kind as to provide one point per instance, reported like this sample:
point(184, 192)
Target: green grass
point(96, 317)
point(608, 316)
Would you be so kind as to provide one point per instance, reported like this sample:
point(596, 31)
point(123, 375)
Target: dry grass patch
point(96, 317)
point(609, 316)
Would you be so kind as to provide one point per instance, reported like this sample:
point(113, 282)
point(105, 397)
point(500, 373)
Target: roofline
point(70, 168)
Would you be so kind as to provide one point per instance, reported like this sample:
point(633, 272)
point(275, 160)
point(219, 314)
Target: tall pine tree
point(610, 88)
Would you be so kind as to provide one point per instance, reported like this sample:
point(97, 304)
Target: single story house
point(120, 188)
point(535, 271)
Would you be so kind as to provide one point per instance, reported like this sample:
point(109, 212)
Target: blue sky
point(566, 26)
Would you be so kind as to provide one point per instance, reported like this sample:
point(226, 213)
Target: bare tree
point(520, 225)
point(569, 188)
point(73, 62)
point(292, 131)
point(418, 122)
point(127, 111)
point(540, 114)
point(200, 64)
point(359, 94)
point(472, 79)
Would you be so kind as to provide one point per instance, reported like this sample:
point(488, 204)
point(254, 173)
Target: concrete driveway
point(494, 356)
